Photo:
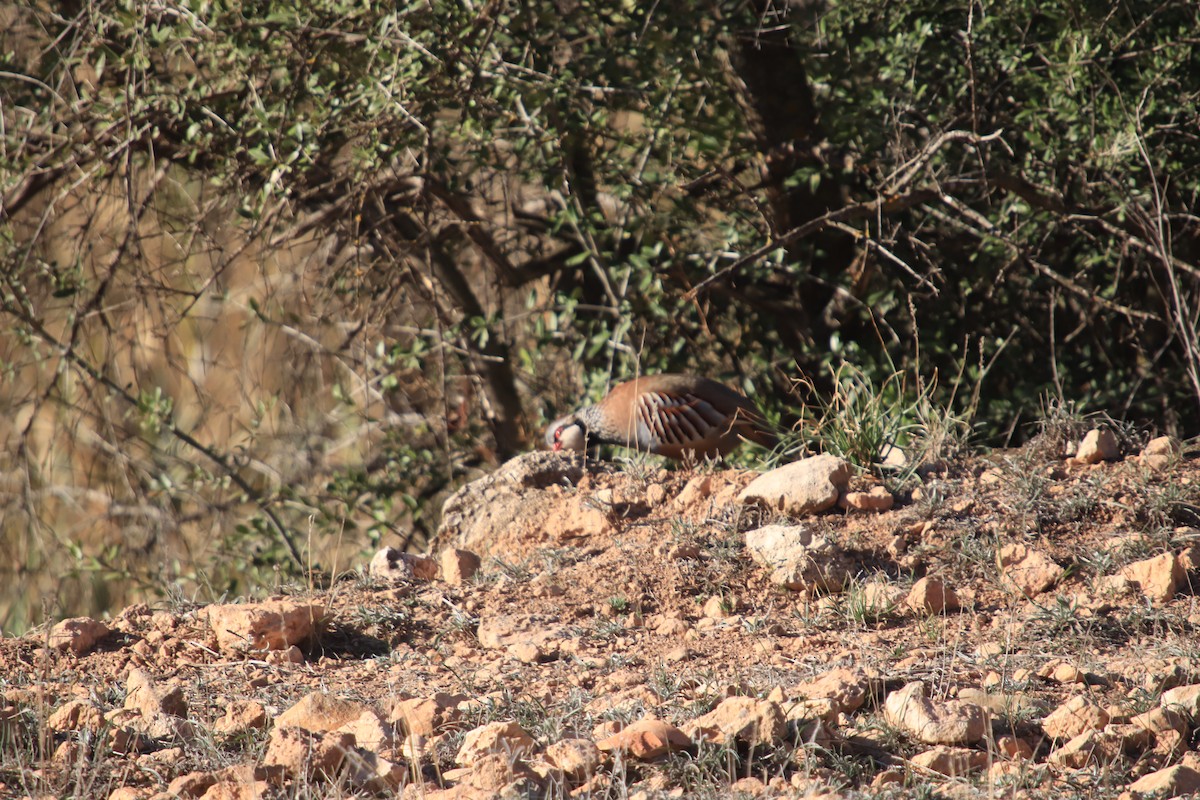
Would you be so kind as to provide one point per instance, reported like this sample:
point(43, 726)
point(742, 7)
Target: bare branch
point(169, 425)
point(900, 178)
point(984, 228)
point(885, 252)
point(857, 211)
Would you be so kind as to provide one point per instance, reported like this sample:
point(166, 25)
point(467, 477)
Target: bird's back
point(673, 415)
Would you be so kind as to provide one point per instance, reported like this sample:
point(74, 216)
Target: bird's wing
point(679, 420)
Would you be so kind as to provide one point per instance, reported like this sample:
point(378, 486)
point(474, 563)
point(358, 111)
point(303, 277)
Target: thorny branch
point(67, 352)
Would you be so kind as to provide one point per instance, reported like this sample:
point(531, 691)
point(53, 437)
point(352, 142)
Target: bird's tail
point(753, 428)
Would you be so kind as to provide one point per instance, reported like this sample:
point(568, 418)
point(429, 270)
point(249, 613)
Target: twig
point(885, 252)
point(473, 224)
point(95, 374)
point(983, 227)
point(904, 175)
point(856, 211)
point(1139, 243)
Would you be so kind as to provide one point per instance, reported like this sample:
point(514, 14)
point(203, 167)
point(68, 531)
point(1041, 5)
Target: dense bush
point(277, 276)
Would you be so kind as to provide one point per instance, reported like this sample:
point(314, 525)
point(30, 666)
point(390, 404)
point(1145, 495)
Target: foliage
point(281, 276)
point(856, 421)
point(1068, 236)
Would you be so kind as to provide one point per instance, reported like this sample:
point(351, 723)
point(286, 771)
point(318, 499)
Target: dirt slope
point(625, 594)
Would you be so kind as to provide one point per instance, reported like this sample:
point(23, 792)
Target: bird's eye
point(558, 434)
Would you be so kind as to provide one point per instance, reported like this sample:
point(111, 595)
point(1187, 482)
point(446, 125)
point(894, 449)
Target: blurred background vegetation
point(279, 276)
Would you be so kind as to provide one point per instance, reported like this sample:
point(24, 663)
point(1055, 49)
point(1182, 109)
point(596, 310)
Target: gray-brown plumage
point(668, 415)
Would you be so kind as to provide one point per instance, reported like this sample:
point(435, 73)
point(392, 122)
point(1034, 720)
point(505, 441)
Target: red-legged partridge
point(668, 415)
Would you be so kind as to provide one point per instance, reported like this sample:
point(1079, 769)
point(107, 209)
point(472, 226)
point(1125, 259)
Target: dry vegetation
point(148, 430)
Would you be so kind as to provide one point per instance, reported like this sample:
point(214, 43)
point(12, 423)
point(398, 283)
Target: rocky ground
point(1019, 624)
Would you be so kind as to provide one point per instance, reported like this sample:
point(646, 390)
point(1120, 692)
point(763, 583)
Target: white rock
point(506, 738)
point(78, 634)
point(1029, 571)
point(798, 560)
point(802, 487)
point(1100, 444)
point(1079, 714)
point(951, 722)
point(748, 719)
point(1158, 577)
point(270, 625)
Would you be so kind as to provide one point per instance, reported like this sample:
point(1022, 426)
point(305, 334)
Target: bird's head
point(566, 433)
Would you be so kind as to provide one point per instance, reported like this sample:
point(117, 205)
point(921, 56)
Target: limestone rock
point(646, 740)
point(720, 607)
point(880, 599)
point(656, 494)
point(306, 754)
point(1171, 782)
point(1160, 453)
point(802, 487)
point(624, 701)
point(367, 770)
point(931, 595)
point(746, 719)
point(1185, 699)
point(1014, 748)
point(877, 500)
point(193, 784)
point(240, 717)
point(427, 716)
point(1189, 557)
point(1062, 672)
point(526, 652)
point(146, 696)
point(895, 458)
point(798, 560)
point(580, 521)
point(472, 516)
point(1161, 719)
point(153, 729)
point(1107, 593)
point(505, 738)
point(1100, 444)
point(694, 492)
point(241, 782)
point(1168, 726)
point(78, 634)
point(847, 688)
point(952, 722)
point(1029, 571)
point(1087, 748)
point(76, 715)
point(951, 761)
point(500, 631)
point(1158, 577)
point(665, 625)
point(370, 732)
point(495, 775)
point(1080, 713)
point(231, 790)
point(1003, 704)
point(1161, 446)
point(459, 566)
point(577, 758)
point(270, 625)
point(121, 792)
point(317, 711)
